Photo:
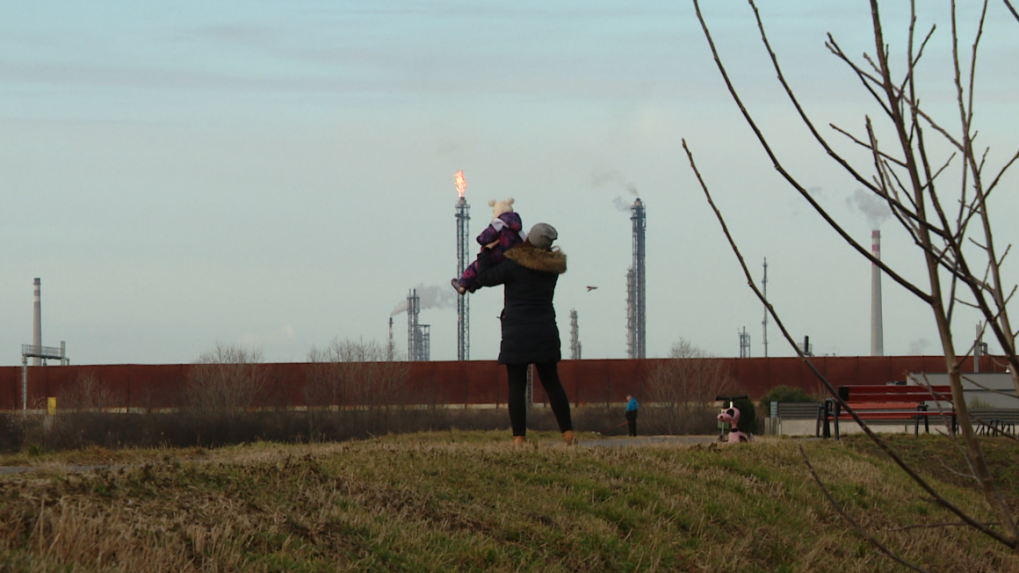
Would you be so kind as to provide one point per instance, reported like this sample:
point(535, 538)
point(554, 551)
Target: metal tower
point(631, 331)
point(425, 345)
point(744, 344)
point(574, 336)
point(463, 242)
point(413, 303)
point(635, 282)
point(418, 335)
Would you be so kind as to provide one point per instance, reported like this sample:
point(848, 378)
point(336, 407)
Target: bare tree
point(226, 379)
point(940, 199)
point(358, 375)
point(679, 391)
point(86, 394)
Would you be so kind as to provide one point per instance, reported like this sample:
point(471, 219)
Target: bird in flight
point(591, 288)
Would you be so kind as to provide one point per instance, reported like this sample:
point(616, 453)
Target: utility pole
point(764, 323)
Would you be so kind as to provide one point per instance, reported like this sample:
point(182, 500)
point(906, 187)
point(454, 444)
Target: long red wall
point(593, 382)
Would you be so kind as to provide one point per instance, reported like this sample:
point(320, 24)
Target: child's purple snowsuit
point(507, 229)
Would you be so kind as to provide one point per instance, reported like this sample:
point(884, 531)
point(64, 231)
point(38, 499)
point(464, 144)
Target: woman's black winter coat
point(529, 275)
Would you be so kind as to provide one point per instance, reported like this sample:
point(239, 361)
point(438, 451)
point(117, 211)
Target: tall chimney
point(37, 324)
point(389, 350)
point(877, 343)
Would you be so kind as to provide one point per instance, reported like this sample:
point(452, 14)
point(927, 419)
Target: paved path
point(625, 441)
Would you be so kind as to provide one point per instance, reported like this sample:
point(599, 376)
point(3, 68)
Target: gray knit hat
point(541, 235)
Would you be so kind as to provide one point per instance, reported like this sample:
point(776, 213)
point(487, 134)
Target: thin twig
point(1000, 173)
point(865, 145)
point(873, 541)
point(865, 78)
point(972, 381)
point(952, 435)
point(956, 473)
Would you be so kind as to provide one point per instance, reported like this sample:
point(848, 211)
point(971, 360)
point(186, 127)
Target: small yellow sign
point(51, 406)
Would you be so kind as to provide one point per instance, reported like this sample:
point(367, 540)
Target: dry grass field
point(467, 501)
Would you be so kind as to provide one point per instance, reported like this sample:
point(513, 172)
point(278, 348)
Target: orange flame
point(461, 183)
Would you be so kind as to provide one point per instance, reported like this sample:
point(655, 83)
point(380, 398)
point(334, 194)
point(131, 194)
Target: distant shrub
point(87, 394)
point(73, 430)
point(679, 392)
point(225, 380)
point(364, 376)
point(12, 434)
point(976, 402)
point(787, 394)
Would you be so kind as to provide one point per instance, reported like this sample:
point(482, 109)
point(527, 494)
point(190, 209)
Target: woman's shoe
point(519, 441)
point(570, 438)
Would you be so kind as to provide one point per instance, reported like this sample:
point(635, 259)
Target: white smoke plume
point(432, 296)
point(873, 207)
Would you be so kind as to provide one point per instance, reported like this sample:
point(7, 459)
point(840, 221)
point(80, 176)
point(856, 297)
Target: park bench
point(995, 421)
point(892, 403)
point(794, 415)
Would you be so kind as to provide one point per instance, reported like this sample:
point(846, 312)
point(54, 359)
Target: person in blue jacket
point(631, 414)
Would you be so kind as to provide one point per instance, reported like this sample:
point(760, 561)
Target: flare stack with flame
point(463, 244)
point(461, 184)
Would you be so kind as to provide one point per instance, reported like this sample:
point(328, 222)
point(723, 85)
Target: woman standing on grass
point(529, 331)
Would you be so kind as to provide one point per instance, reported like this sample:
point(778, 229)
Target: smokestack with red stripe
point(37, 324)
point(877, 343)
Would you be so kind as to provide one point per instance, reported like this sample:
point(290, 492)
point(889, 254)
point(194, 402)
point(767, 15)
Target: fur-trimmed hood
point(529, 256)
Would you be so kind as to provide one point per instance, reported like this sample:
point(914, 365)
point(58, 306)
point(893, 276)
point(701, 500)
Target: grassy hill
point(467, 501)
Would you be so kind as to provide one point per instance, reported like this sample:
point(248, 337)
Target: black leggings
point(548, 373)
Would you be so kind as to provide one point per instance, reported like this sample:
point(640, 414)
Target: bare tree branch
point(873, 541)
point(1012, 10)
point(941, 240)
point(869, 82)
point(988, 389)
point(1000, 173)
point(824, 380)
point(955, 472)
point(788, 177)
point(853, 138)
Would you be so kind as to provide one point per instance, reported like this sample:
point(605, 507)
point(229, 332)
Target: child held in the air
point(504, 232)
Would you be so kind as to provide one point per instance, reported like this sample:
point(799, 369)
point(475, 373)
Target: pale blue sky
point(279, 174)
